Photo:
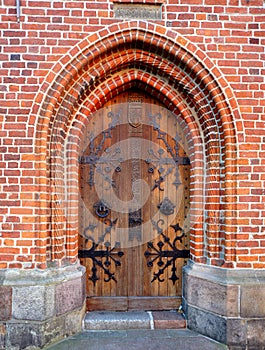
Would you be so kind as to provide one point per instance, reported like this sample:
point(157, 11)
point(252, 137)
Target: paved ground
point(164, 339)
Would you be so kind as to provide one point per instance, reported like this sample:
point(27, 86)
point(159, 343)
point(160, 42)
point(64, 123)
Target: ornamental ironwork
point(135, 225)
point(101, 255)
point(165, 162)
point(165, 159)
point(165, 253)
point(96, 158)
point(101, 209)
point(102, 259)
point(166, 207)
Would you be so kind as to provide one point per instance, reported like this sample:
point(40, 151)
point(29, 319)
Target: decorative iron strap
point(161, 135)
point(165, 258)
point(164, 164)
point(102, 258)
point(95, 156)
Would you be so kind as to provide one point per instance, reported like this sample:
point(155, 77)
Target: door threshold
point(123, 320)
point(133, 303)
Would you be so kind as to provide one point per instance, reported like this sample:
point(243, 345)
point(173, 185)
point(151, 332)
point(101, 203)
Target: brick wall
point(41, 59)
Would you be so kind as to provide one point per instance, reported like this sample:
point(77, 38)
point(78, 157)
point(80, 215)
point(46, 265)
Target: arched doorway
point(169, 67)
point(178, 73)
point(134, 175)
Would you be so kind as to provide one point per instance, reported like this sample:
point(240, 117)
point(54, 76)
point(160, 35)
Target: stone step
point(132, 339)
point(104, 320)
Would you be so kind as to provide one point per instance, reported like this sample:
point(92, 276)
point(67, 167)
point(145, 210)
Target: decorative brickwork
point(215, 52)
point(60, 61)
point(114, 74)
point(80, 92)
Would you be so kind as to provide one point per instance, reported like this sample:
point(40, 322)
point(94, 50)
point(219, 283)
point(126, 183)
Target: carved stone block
point(33, 302)
point(138, 11)
point(5, 303)
point(253, 301)
point(69, 296)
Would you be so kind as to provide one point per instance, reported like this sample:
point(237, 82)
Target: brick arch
point(160, 62)
point(171, 100)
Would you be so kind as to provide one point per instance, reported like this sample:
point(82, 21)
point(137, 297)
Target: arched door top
point(166, 65)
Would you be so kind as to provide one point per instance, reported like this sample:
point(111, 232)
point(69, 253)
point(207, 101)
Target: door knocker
point(101, 209)
point(166, 207)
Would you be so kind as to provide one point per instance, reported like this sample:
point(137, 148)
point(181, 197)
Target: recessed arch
point(162, 63)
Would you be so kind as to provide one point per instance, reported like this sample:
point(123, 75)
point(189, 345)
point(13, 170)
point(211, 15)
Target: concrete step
point(103, 320)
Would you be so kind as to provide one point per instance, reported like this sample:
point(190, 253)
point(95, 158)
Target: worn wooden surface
point(134, 287)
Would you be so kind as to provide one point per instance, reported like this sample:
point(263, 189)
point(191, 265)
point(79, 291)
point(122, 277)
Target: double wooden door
point(134, 206)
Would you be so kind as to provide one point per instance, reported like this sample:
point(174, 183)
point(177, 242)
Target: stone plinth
point(39, 307)
point(5, 303)
point(227, 305)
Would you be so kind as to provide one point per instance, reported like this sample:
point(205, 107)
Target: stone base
point(40, 307)
point(227, 305)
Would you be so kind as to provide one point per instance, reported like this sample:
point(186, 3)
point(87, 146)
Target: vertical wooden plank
point(134, 276)
point(134, 133)
point(147, 176)
point(166, 194)
point(101, 288)
point(176, 193)
point(157, 194)
point(121, 182)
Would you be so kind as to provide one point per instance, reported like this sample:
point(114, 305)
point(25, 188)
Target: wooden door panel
point(133, 303)
point(132, 231)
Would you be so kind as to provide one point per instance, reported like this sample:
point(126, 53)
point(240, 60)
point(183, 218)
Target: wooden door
point(134, 206)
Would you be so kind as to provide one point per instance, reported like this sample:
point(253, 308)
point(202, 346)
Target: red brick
point(227, 38)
